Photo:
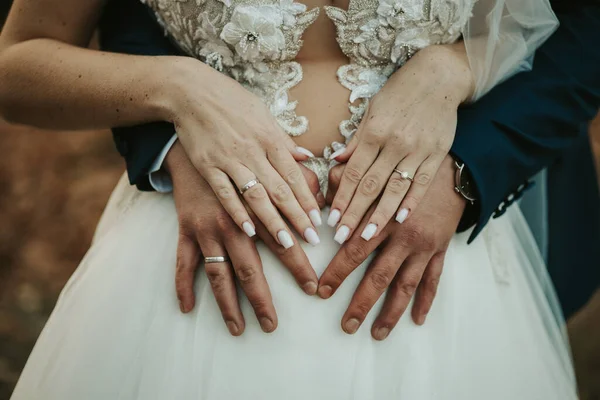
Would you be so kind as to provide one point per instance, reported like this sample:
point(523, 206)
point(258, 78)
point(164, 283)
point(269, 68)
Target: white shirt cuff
point(159, 178)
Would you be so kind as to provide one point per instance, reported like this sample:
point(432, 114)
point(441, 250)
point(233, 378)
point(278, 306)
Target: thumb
point(343, 154)
point(299, 153)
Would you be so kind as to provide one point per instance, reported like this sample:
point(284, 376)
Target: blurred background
point(53, 187)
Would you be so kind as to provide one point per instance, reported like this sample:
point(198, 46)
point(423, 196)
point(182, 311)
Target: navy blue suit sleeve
point(527, 122)
point(127, 26)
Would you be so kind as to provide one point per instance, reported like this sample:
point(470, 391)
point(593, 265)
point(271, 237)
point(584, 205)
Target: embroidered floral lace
point(256, 42)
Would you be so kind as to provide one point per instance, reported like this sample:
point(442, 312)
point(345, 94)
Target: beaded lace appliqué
point(379, 36)
point(256, 41)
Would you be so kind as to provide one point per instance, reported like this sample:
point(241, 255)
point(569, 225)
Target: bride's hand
point(235, 143)
point(409, 261)
point(205, 229)
point(403, 138)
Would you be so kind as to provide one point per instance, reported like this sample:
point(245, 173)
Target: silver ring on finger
point(248, 185)
point(403, 174)
point(216, 259)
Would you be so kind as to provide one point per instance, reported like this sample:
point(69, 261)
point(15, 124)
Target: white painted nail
point(249, 229)
point(368, 232)
point(304, 151)
point(311, 236)
point(285, 239)
point(402, 214)
point(315, 217)
point(342, 234)
point(337, 153)
point(334, 217)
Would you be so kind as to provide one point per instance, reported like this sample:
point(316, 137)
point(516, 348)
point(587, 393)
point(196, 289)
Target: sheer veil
point(501, 37)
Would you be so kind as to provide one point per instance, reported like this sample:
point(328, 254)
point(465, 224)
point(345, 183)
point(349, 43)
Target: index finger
point(350, 255)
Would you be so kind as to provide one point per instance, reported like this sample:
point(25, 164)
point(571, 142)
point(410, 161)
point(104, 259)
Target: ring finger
point(284, 199)
point(396, 188)
point(222, 282)
point(258, 200)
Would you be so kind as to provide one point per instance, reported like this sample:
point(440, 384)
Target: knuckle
point(281, 251)
point(362, 307)
point(352, 174)
point(216, 279)
point(222, 221)
point(293, 177)
point(355, 253)
point(370, 185)
point(351, 218)
point(407, 287)
point(430, 285)
point(246, 274)
point(423, 178)
point(397, 185)
point(224, 193)
point(401, 139)
point(375, 135)
point(298, 219)
point(256, 193)
point(380, 280)
point(281, 193)
point(413, 235)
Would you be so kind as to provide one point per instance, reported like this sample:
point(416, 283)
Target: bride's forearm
point(446, 66)
point(50, 84)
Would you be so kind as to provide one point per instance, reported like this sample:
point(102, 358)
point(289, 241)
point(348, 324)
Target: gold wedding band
point(249, 185)
point(403, 174)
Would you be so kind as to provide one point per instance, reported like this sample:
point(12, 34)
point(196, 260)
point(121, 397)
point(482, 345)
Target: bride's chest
point(369, 32)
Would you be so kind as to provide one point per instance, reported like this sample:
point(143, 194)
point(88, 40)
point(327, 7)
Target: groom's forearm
point(524, 124)
point(128, 27)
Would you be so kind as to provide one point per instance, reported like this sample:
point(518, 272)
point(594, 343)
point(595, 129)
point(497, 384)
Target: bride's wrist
point(448, 67)
point(180, 82)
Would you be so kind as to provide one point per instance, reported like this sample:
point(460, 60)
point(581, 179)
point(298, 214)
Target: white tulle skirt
point(494, 331)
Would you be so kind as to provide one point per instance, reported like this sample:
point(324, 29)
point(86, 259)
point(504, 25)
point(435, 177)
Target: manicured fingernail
point(368, 232)
point(315, 217)
point(304, 151)
point(337, 153)
point(334, 217)
point(311, 236)
point(381, 333)
point(310, 288)
point(325, 291)
point(181, 307)
point(351, 326)
point(342, 234)
point(266, 324)
point(249, 229)
point(402, 214)
point(232, 327)
point(285, 239)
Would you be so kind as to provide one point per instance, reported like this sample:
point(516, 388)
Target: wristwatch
point(463, 183)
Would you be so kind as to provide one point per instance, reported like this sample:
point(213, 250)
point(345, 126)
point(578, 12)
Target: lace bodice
point(256, 42)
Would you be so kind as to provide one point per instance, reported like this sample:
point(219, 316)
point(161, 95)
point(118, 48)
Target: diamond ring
point(403, 174)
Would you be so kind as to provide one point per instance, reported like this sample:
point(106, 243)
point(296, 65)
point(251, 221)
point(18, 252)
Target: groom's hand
point(205, 229)
point(409, 262)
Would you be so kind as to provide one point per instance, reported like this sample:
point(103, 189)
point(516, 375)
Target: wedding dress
point(494, 332)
